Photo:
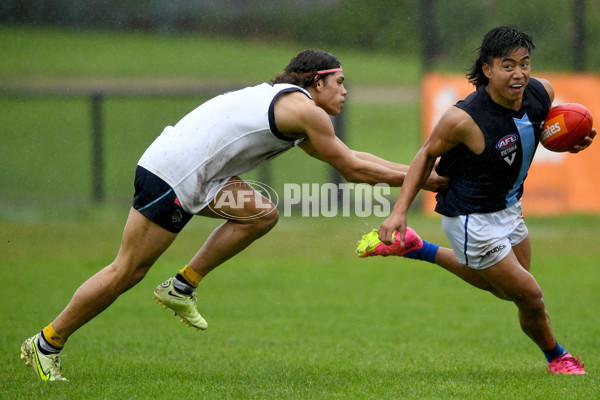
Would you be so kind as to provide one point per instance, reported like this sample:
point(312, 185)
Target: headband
point(326, 71)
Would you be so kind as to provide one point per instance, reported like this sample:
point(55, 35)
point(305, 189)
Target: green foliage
point(395, 26)
point(384, 25)
point(550, 25)
point(391, 26)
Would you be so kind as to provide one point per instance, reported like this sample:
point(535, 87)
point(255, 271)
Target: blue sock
point(556, 352)
point(425, 253)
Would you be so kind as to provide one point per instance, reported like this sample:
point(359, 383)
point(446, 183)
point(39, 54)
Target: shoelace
point(56, 365)
point(572, 363)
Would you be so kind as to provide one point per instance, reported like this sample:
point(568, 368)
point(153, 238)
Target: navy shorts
point(157, 201)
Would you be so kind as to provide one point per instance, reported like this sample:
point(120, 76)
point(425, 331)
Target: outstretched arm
point(434, 182)
point(296, 114)
point(454, 127)
point(352, 167)
point(373, 158)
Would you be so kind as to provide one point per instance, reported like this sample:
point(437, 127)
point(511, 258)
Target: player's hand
point(584, 143)
point(392, 224)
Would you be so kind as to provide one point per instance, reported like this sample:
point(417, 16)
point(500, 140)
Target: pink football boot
point(370, 245)
point(566, 364)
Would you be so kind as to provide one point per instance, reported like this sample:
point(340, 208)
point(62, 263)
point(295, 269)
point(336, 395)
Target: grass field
point(296, 316)
point(43, 53)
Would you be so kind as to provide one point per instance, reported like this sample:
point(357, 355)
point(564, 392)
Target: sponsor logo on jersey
point(507, 141)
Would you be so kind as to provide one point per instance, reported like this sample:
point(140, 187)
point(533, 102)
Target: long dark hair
point(499, 42)
point(302, 69)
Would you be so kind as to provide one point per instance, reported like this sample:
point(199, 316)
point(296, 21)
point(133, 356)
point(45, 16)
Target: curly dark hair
point(498, 42)
point(302, 69)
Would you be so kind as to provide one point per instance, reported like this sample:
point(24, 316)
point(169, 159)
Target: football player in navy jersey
point(485, 145)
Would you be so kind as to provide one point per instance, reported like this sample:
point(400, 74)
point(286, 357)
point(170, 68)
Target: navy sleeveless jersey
point(493, 180)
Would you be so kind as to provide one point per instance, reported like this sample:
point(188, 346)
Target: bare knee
point(265, 222)
point(138, 274)
point(532, 302)
point(498, 293)
point(126, 275)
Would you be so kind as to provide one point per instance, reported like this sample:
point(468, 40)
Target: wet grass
point(297, 316)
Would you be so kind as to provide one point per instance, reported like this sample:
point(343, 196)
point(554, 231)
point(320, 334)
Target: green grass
point(53, 53)
point(297, 316)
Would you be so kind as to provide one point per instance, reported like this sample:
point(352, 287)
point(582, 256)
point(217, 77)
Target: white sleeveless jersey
point(227, 136)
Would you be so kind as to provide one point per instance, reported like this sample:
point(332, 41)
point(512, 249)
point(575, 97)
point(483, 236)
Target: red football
point(565, 125)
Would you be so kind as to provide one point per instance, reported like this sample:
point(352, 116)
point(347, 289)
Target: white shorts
point(482, 240)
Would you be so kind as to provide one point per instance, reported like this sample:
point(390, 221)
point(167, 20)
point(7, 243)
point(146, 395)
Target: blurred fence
point(98, 95)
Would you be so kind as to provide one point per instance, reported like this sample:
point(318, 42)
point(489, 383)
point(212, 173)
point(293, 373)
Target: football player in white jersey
point(193, 167)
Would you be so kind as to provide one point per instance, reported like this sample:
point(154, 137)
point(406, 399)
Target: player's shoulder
point(298, 96)
point(456, 118)
point(542, 84)
point(295, 112)
point(296, 103)
point(455, 125)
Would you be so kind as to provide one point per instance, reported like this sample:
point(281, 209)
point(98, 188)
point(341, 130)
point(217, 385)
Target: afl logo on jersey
point(507, 141)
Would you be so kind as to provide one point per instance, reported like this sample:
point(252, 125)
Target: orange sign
point(558, 183)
